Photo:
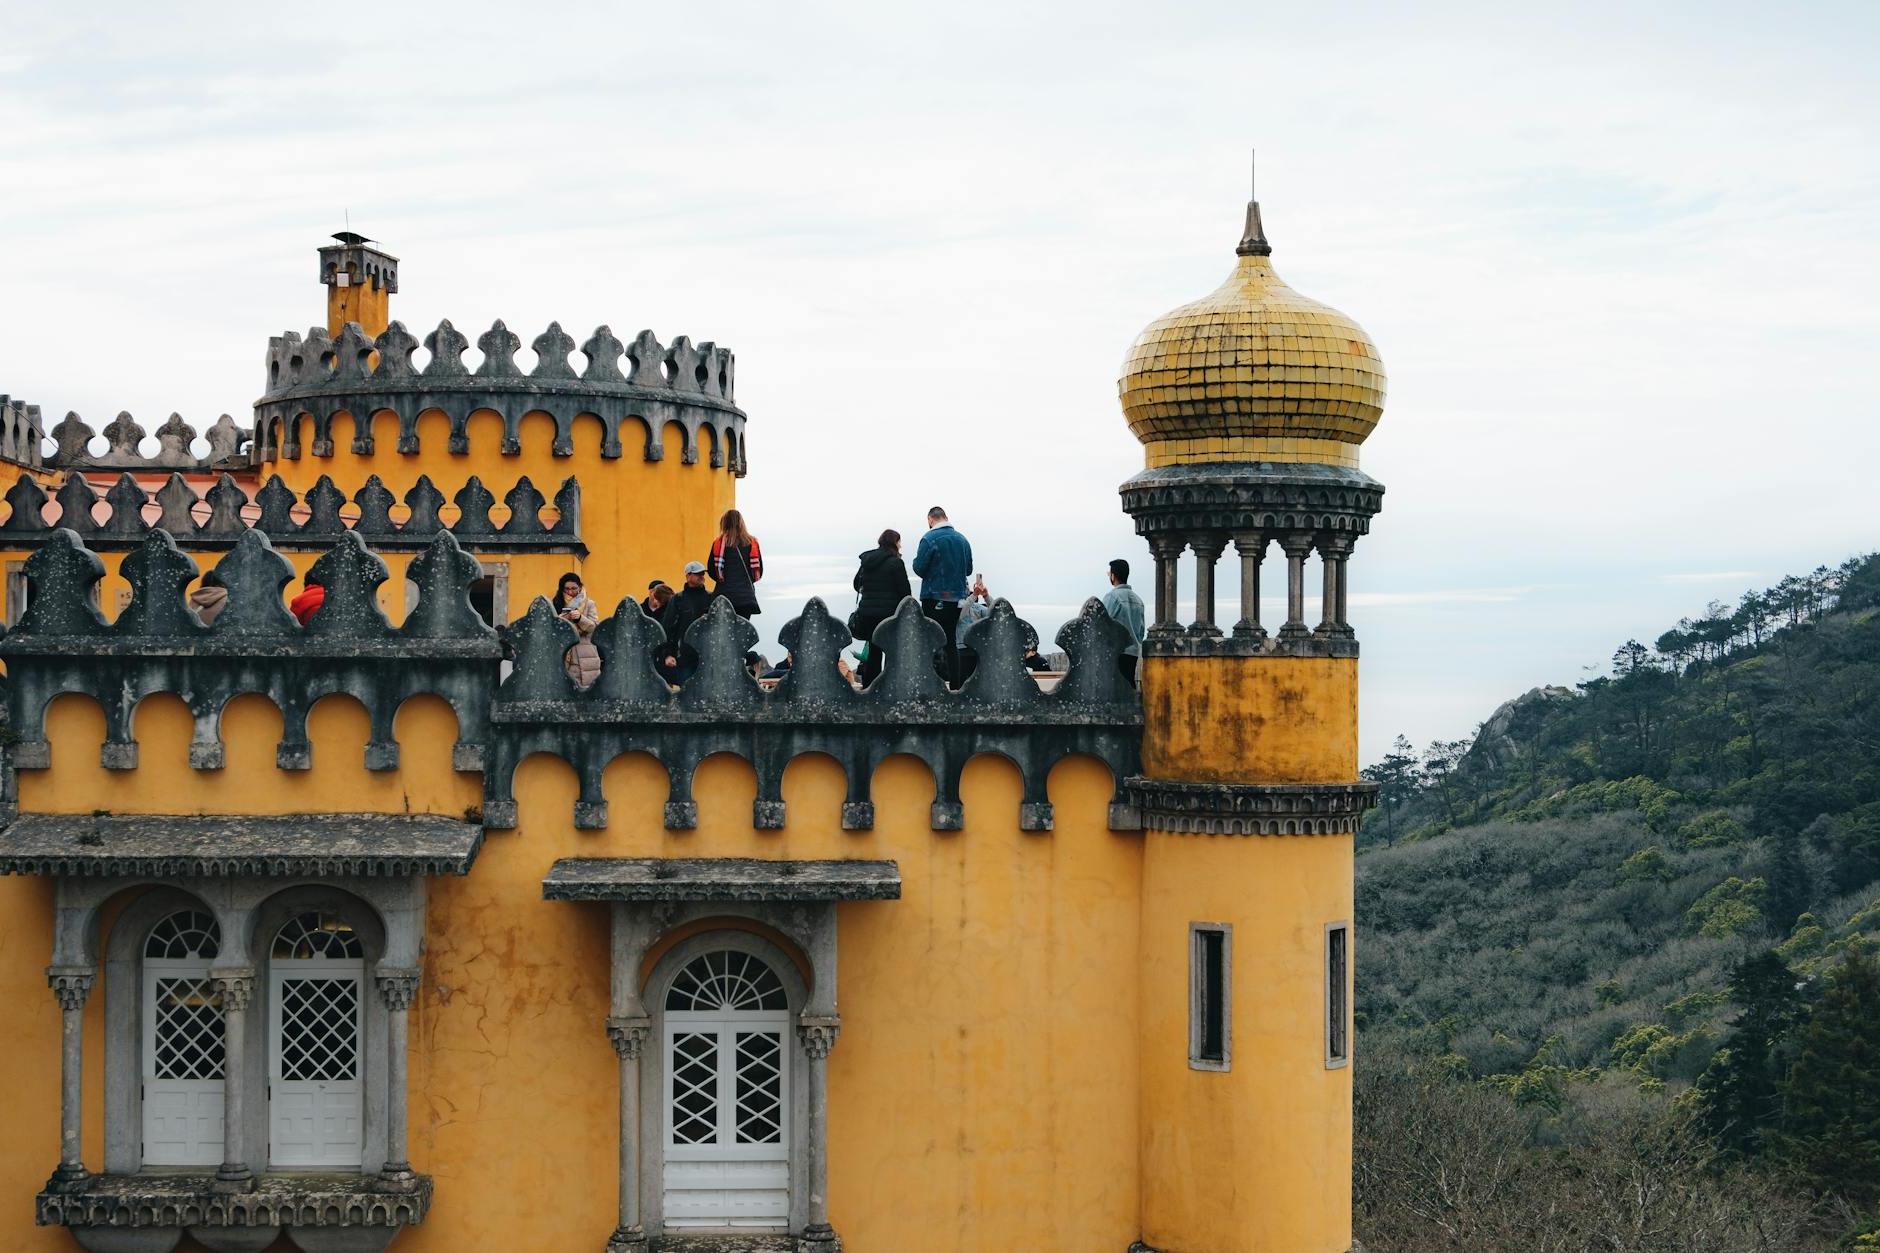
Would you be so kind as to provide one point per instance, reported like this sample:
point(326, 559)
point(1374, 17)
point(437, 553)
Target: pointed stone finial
point(159, 574)
point(254, 574)
point(499, 346)
point(444, 573)
point(1253, 235)
point(1000, 642)
point(628, 642)
point(539, 641)
point(351, 573)
point(912, 640)
point(551, 353)
point(814, 642)
point(721, 639)
point(59, 581)
point(127, 501)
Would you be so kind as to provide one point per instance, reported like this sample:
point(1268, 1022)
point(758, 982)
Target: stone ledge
point(279, 1200)
point(719, 879)
point(1250, 808)
point(380, 845)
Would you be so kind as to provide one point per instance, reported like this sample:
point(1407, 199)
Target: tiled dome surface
point(1254, 371)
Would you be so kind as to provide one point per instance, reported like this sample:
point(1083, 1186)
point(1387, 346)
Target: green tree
point(1740, 1092)
point(1396, 779)
point(1831, 1102)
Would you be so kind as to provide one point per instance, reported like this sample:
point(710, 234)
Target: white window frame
point(1198, 997)
point(207, 1095)
point(343, 969)
point(1338, 1017)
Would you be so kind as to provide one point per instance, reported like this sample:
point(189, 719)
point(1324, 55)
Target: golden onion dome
point(1253, 372)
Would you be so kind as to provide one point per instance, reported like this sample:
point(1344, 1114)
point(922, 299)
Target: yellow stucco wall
point(366, 303)
point(1256, 1159)
point(985, 1092)
point(641, 519)
point(1250, 720)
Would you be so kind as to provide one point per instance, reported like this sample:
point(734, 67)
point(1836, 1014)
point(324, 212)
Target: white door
point(316, 1033)
point(727, 1028)
point(182, 1066)
point(182, 1045)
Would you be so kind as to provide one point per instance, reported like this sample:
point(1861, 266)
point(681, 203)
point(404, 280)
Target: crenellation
point(312, 520)
point(228, 445)
point(317, 378)
point(22, 439)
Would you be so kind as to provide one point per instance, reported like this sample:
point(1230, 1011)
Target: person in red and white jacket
point(735, 564)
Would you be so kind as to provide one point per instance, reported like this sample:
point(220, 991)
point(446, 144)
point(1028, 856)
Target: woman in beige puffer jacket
point(575, 607)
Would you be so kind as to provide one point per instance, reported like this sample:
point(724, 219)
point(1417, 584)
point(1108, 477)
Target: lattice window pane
point(726, 980)
point(320, 1029)
point(695, 1088)
point(314, 934)
point(188, 1030)
point(760, 1087)
point(185, 934)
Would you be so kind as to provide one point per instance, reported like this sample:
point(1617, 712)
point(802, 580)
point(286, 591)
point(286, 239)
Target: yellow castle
point(379, 928)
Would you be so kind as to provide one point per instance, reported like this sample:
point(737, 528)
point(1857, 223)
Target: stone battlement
point(62, 644)
point(318, 377)
point(228, 445)
point(290, 521)
point(22, 439)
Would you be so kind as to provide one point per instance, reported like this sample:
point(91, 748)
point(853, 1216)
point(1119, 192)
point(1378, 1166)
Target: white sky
point(1620, 265)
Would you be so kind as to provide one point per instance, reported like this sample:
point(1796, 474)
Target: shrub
point(1729, 909)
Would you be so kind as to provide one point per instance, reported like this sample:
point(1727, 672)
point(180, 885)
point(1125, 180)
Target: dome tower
point(1251, 404)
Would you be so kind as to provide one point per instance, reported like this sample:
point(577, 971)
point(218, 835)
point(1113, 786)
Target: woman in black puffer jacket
point(882, 581)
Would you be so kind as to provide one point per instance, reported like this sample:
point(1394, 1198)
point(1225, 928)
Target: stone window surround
point(636, 1028)
point(388, 914)
point(1340, 1003)
point(1197, 996)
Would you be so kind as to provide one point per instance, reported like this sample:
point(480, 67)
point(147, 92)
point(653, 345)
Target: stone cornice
point(191, 1201)
point(1251, 808)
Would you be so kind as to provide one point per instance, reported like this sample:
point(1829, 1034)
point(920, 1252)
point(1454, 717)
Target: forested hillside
point(1646, 906)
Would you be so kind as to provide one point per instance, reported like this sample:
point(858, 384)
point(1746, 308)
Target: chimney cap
point(352, 238)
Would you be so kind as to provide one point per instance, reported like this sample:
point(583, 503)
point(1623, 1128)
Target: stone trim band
point(1251, 808)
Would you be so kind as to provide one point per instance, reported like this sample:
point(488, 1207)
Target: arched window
point(316, 1030)
point(727, 1095)
point(182, 1044)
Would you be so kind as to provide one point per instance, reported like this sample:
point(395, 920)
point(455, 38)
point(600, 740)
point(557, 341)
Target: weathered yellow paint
point(1250, 719)
point(366, 303)
point(1257, 1158)
point(642, 519)
point(986, 1086)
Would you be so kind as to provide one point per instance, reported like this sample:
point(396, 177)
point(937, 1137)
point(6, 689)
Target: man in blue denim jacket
point(943, 561)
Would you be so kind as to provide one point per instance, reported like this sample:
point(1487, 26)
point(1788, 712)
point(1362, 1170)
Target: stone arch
point(655, 1061)
point(123, 1004)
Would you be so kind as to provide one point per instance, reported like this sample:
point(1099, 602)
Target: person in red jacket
point(735, 564)
point(308, 602)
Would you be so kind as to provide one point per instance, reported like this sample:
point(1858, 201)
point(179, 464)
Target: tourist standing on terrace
point(882, 581)
point(736, 564)
point(943, 561)
point(679, 659)
point(1125, 606)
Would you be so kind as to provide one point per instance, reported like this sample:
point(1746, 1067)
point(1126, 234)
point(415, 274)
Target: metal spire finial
point(1253, 236)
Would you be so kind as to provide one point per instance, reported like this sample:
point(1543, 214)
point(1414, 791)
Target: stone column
point(1251, 545)
point(1333, 550)
point(398, 988)
point(1207, 551)
point(818, 1034)
point(1167, 549)
point(71, 985)
point(235, 989)
point(628, 1036)
point(1296, 548)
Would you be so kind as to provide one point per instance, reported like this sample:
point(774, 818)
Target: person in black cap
point(685, 608)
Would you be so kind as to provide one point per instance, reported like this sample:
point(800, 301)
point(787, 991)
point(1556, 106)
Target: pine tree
point(1790, 891)
point(1741, 1090)
point(1831, 1101)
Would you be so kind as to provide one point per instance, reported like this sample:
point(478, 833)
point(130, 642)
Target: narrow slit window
point(1210, 1010)
point(1337, 995)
